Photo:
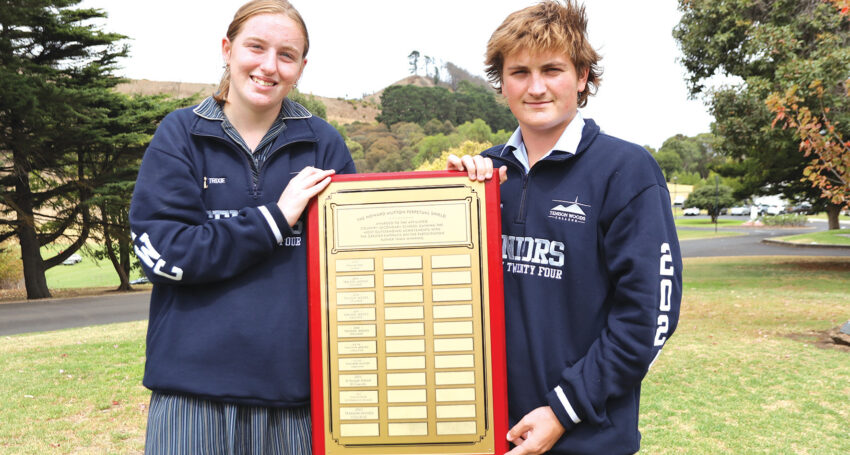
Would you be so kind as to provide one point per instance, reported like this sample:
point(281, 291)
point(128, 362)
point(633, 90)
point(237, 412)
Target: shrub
point(11, 270)
point(787, 219)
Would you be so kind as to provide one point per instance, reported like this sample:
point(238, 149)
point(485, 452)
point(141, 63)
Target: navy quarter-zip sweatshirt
point(593, 285)
point(228, 314)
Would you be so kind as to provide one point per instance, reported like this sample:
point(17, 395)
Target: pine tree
point(58, 117)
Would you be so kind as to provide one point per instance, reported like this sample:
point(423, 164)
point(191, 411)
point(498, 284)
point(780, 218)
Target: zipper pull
point(205, 183)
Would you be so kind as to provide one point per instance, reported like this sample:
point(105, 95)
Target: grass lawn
point(833, 237)
point(746, 371)
point(88, 273)
point(706, 222)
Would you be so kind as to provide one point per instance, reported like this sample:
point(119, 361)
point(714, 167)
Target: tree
point(115, 157)
point(409, 103)
point(695, 154)
point(816, 106)
point(465, 148)
point(711, 199)
point(315, 106)
point(55, 80)
point(669, 161)
point(770, 47)
point(413, 58)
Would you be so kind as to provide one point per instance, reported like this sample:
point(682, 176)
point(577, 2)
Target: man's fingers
point(481, 167)
point(503, 174)
point(453, 163)
point(469, 165)
point(519, 430)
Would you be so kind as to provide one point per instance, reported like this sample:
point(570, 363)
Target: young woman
point(217, 224)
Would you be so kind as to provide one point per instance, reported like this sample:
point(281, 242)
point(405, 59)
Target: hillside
point(339, 110)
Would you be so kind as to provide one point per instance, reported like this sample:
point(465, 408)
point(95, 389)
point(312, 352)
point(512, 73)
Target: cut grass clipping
point(747, 371)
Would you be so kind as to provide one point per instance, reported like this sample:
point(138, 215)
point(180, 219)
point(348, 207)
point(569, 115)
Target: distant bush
point(787, 219)
point(466, 148)
point(11, 270)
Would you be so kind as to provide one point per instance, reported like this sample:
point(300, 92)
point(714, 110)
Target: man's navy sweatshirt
point(593, 284)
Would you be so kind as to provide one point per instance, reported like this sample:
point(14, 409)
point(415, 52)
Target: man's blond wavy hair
point(548, 26)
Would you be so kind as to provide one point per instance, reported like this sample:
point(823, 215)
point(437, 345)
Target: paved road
point(85, 311)
point(57, 314)
point(751, 245)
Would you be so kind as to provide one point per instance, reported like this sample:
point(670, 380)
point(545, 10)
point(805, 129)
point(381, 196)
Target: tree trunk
point(34, 279)
point(110, 251)
point(832, 212)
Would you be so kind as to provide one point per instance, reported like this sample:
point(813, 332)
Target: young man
point(591, 258)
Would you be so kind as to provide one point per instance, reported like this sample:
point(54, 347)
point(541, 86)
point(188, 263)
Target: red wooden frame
point(496, 297)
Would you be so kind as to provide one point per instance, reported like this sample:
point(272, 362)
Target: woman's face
point(265, 61)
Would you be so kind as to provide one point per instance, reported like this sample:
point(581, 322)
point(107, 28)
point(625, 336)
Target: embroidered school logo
point(214, 181)
point(569, 211)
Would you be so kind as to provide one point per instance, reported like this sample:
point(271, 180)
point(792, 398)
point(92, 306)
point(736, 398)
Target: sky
point(358, 47)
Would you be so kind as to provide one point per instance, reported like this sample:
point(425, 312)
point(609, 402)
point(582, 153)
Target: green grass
point(706, 222)
point(823, 217)
point(744, 373)
point(88, 273)
point(74, 391)
point(833, 237)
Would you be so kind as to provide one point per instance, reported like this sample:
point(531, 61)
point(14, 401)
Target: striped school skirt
point(179, 424)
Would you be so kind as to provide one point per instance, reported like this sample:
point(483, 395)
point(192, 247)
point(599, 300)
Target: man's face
point(542, 90)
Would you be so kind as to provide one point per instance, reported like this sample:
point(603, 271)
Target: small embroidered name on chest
point(217, 180)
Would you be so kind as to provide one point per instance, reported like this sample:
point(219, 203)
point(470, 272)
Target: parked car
point(803, 207)
point(73, 259)
point(691, 211)
point(142, 280)
point(773, 210)
point(741, 210)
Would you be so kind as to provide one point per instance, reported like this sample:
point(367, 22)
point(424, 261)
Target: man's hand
point(536, 433)
point(308, 183)
point(478, 167)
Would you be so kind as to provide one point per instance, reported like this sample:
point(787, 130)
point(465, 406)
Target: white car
point(774, 210)
point(73, 259)
point(739, 211)
point(691, 211)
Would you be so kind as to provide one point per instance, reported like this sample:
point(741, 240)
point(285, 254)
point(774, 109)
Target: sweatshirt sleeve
point(176, 242)
point(641, 252)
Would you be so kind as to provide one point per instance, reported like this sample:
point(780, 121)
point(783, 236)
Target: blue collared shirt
point(567, 143)
point(211, 110)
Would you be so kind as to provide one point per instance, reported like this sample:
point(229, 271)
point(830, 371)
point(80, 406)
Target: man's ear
point(582, 80)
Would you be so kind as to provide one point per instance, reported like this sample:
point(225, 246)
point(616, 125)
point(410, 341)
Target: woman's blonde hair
point(547, 26)
point(247, 11)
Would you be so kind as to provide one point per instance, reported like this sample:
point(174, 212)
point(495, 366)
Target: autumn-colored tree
point(816, 106)
point(769, 52)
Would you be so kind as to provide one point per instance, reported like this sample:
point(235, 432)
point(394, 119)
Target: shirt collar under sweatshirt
point(567, 143)
point(210, 109)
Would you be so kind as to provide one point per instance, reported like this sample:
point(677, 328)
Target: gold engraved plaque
point(406, 317)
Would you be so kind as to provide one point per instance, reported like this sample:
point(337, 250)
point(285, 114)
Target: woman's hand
point(478, 167)
point(308, 183)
